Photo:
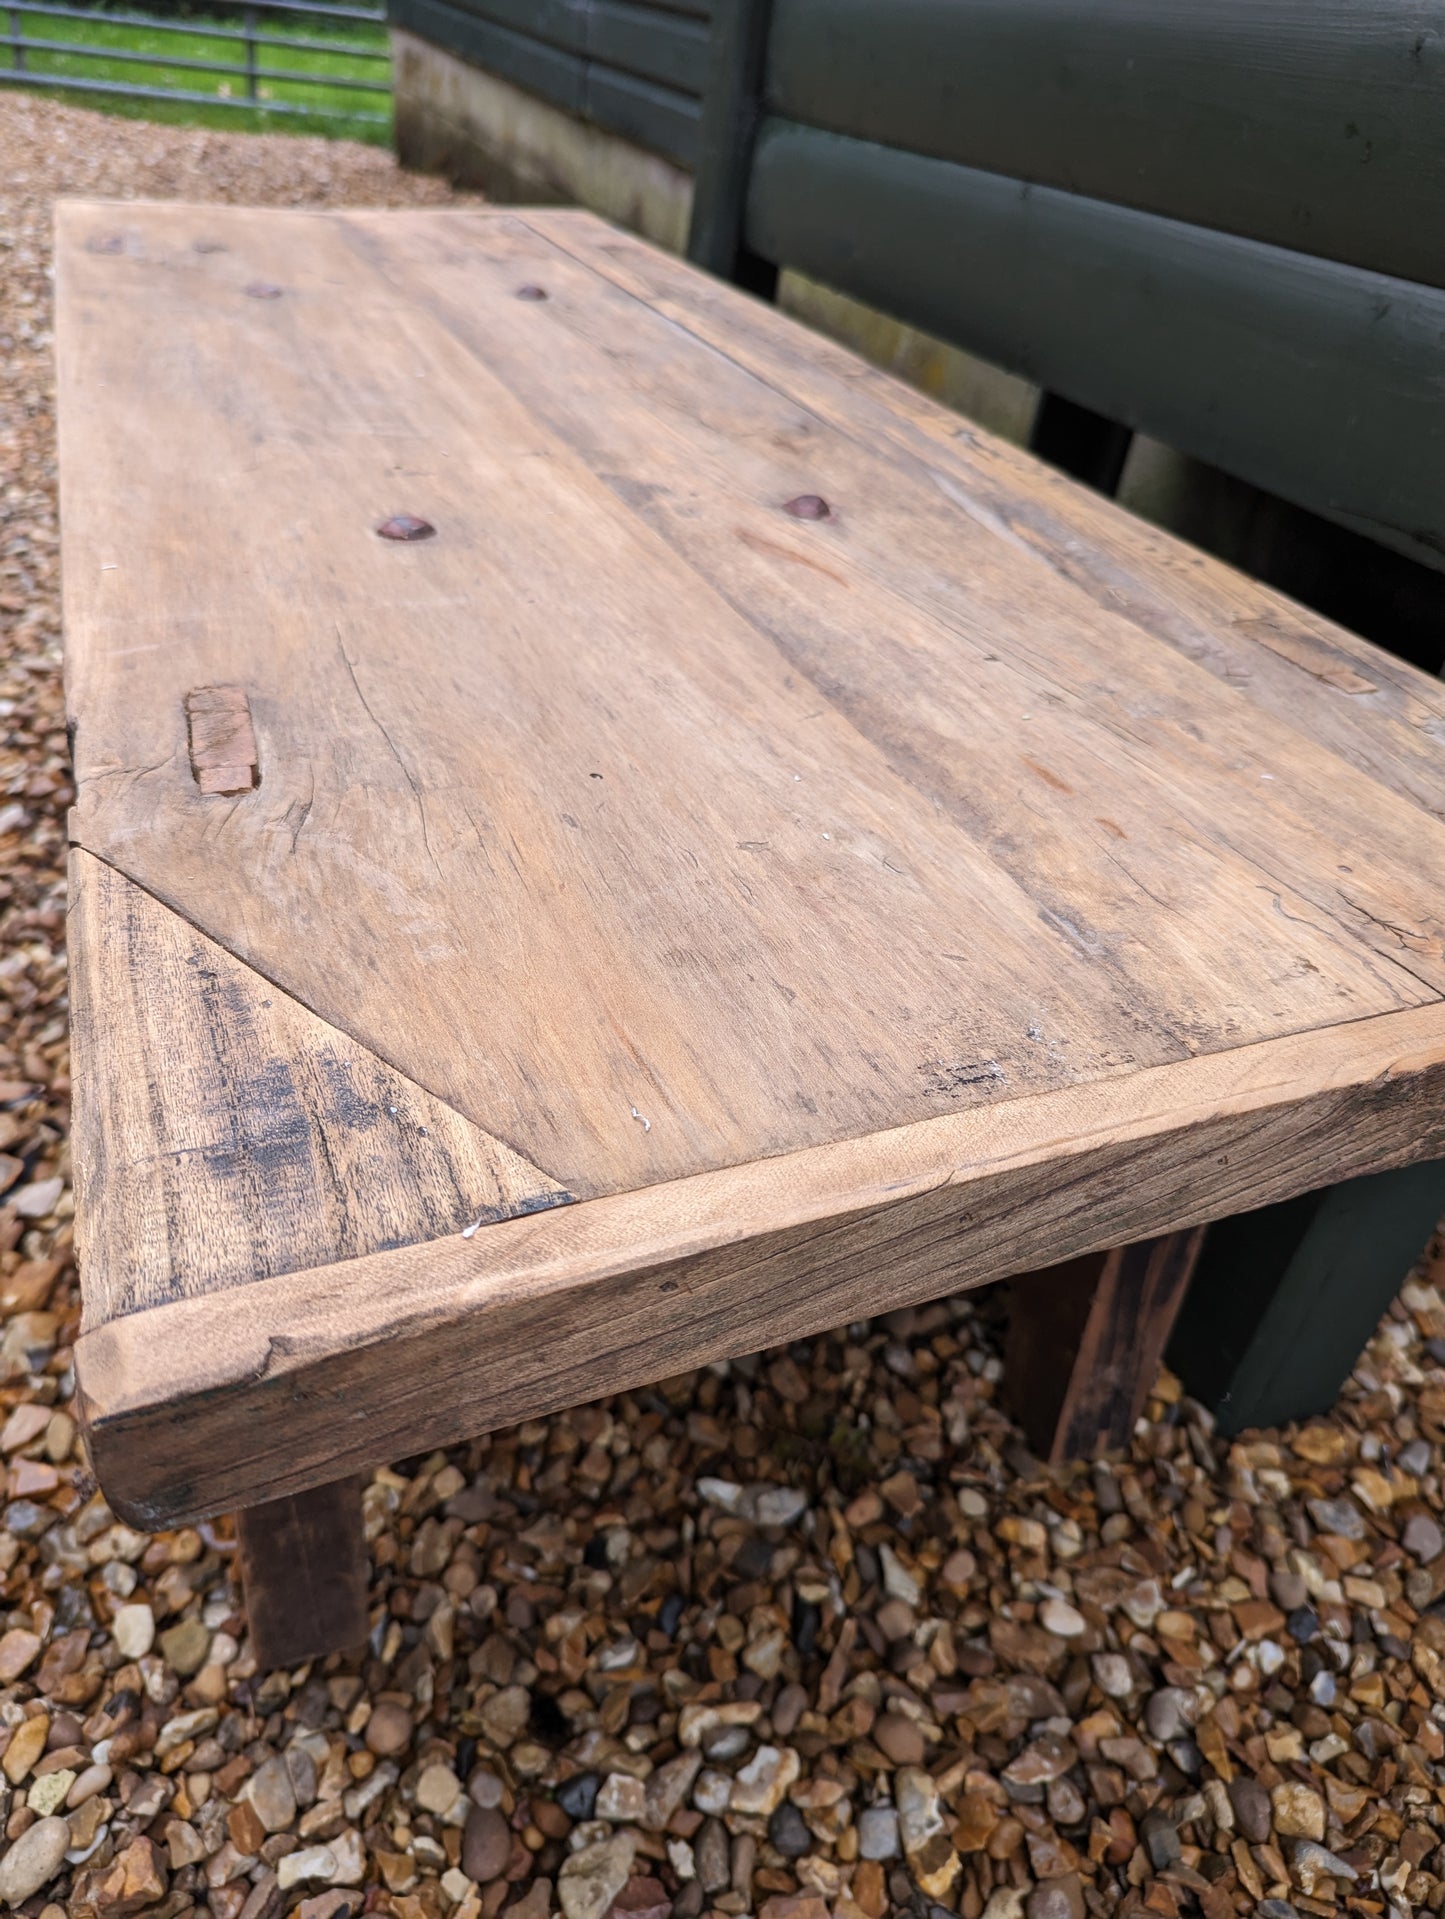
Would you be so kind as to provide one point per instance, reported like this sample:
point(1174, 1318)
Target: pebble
point(621, 1797)
point(899, 1739)
point(18, 1649)
point(591, 1878)
point(1061, 1897)
point(924, 1833)
point(306, 1865)
point(788, 1831)
point(712, 1856)
point(1060, 1618)
point(1169, 1713)
point(898, 1582)
point(87, 1784)
point(1311, 1862)
point(49, 1792)
point(272, 1796)
point(1422, 1537)
point(184, 1647)
point(759, 1786)
point(134, 1630)
point(667, 1788)
point(438, 1790)
point(578, 1796)
point(1299, 1812)
point(1112, 1675)
point(37, 1199)
point(486, 1845)
point(878, 1833)
point(33, 1860)
point(338, 1903)
point(1161, 1839)
point(1252, 1809)
point(389, 1729)
point(27, 1742)
point(1340, 1516)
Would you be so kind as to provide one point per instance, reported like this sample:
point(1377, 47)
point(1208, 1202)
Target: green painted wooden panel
point(1283, 1299)
point(651, 45)
point(1315, 126)
point(635, 69)
point(640, 110)
point(548, 71)
point(1323, 383)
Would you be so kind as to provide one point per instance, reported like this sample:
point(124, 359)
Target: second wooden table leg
point(304, 1565)
point(1085, 1341)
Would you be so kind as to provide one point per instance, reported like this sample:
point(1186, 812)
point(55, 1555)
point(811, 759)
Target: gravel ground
point(806, 1637)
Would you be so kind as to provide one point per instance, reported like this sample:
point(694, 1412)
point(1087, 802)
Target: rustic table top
point(773, 851)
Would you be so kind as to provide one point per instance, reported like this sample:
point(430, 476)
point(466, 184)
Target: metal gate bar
point(250, 72)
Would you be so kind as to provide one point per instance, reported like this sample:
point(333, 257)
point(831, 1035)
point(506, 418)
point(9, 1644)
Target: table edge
point(204, 1404)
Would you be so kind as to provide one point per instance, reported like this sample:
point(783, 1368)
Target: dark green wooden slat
point(556, 23)
point(692, 9)
point(1283, 1299)
point(578, 58)
point(1314, 126)
point(547, 71)
point(637, 109)
point(666, 49)
point(1318, 382)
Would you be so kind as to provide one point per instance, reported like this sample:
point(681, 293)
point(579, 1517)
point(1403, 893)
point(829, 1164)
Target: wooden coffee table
point(611, 835)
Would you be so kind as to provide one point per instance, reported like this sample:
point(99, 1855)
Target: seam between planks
point(920, 459)
point(364, 1045)
point(1389, 968)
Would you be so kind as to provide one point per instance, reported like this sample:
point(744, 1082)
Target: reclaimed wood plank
point(283, 1384)
point(1376, 711)
point(223, 1133)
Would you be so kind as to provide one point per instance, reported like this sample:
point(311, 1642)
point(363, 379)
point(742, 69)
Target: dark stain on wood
point(1049, 778)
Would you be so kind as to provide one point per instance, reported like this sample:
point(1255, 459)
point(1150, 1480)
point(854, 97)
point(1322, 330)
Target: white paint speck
point(467, 1231)
point(645, 1123)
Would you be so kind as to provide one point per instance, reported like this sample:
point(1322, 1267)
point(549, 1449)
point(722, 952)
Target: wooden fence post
point(731, 108)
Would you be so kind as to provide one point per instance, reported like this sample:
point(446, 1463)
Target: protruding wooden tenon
point(1085, 1341)
point(305, 1567)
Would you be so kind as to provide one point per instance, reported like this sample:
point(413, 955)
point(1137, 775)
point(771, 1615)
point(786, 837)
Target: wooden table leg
point(1285, 1297)
point(1085, 1341)
point(304, 1565)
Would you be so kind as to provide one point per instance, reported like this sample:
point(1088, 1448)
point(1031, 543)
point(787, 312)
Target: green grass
point(96, 30)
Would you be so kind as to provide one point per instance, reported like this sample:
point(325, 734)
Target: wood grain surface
point(223, 1133)
point(1085, 1340)
point(262, 1390)
point(657, 833)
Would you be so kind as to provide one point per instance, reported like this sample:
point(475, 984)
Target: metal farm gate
point(36, 50)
